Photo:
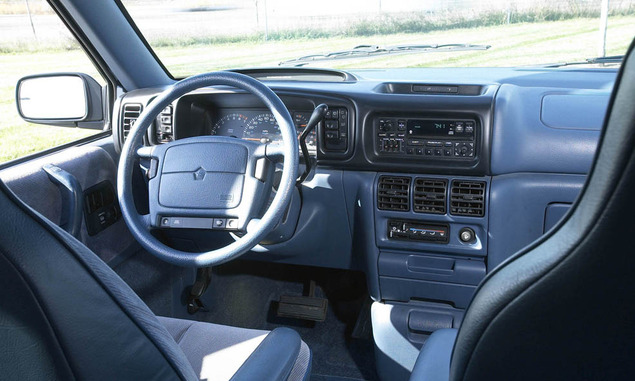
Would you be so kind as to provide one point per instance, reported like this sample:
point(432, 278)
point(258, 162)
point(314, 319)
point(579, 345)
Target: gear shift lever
point(316, 117)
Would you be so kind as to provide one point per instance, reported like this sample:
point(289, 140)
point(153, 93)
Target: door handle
point(71, 191)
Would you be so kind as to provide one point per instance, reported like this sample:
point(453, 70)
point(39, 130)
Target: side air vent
point(131, 112)
point(393, 193)
point(429, 195)
point(467, 198)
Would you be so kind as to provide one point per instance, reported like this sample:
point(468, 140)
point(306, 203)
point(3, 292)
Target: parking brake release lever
point(316, 117)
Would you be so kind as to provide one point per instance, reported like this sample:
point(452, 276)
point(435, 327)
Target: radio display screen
point(427, 127)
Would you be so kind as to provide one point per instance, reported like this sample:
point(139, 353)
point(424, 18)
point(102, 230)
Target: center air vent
point(131, 112)
point(467, 198)
point(429, 195)
point(393, 193)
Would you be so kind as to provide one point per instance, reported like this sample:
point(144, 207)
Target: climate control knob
point(467, 235)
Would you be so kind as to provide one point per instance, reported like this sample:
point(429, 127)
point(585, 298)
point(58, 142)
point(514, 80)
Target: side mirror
point(61, 99)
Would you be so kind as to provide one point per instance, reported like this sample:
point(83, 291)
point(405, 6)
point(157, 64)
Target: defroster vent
point(131, 112)
point(393, 193)
point(429, 195)
point(467, 198)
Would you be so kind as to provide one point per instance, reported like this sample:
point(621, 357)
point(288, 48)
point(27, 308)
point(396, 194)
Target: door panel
point(90, 165)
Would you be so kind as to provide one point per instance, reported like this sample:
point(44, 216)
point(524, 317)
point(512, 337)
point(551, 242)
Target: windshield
point(194, 36)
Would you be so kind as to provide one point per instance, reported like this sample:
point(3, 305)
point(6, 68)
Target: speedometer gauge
point(262, 126)
point(230, 125)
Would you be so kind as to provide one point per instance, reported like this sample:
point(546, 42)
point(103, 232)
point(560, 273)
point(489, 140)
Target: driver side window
point(34, 41)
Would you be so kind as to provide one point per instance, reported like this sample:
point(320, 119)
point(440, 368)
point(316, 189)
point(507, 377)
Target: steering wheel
point(209, 182)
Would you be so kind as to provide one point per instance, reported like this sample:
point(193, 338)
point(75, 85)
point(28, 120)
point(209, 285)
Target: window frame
point(108, 96)
point(142, 38)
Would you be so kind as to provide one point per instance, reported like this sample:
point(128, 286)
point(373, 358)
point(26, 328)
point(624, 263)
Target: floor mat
point(244, 294)
point(156, 282)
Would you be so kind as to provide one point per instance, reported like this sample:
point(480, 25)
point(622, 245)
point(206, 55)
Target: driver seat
point(64, 314)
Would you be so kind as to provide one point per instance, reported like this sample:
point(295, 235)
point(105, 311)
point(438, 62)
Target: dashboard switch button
point(332, 125)
point(332, 135)
point(219, 223)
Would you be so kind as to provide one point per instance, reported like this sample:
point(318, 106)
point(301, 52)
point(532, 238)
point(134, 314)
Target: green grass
point(390, 24)
point(522, 43)
point(512, 45)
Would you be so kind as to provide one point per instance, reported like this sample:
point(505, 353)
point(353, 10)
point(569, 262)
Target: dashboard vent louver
point(467, 198)
point(429, 195)
point(393, 193)
point(131, 112)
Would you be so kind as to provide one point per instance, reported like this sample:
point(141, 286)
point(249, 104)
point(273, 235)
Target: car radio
point(420, 137)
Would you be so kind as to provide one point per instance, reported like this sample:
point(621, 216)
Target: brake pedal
point(302, 307)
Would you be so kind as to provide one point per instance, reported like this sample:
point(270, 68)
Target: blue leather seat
point(64, 314)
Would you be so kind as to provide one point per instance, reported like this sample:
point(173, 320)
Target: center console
point(431, 214)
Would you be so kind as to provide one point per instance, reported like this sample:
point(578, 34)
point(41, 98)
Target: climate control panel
point(418, 231)
point(433, 138)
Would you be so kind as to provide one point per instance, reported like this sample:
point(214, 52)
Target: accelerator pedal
point(303, 307)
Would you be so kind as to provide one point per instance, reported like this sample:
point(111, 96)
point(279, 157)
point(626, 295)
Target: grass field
point(512, 45)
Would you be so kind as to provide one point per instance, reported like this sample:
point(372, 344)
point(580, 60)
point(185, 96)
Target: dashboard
point(427, 178)
point(393, 131)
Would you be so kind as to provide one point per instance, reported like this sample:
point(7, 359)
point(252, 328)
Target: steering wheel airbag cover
point(204, 190)
point(191, 157)
point(203, 175)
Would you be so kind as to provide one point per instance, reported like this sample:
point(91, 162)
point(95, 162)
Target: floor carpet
point(245, 294)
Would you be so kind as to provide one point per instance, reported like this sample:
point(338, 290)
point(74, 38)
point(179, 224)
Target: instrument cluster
point(258, 125)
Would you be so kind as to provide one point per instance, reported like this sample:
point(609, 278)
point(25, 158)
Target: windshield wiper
point(364, 51)
point(589, 61)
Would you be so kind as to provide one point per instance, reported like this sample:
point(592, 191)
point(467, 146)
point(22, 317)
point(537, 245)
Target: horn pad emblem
point(199, 174)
